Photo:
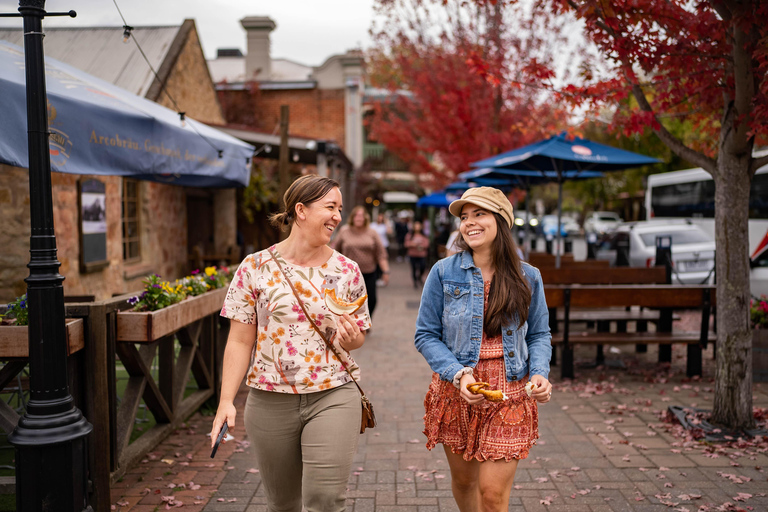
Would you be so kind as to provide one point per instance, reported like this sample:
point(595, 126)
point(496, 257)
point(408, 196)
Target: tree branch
point(676, 145)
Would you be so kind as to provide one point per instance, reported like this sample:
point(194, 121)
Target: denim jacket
point(449, 328)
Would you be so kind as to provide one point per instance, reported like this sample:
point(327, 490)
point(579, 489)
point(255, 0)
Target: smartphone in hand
point(222, 433)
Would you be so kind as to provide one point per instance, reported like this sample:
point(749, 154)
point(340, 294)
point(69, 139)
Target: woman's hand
point(542, 389)
point(348, 332)
point(469, 397)
point(385, 278)
point(226, 412)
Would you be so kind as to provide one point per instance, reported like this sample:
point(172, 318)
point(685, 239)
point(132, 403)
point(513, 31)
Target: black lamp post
point(50, 439)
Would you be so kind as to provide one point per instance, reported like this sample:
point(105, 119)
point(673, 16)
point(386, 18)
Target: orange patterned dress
point(488, 431)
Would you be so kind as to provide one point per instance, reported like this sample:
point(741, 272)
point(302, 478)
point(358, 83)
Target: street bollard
point(664, 258)
point(622, 252)
point(591, 246)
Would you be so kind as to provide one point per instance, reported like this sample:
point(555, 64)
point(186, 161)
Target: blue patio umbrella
point(562, 156)
point(504, 183)
point(525, 180)
point(98, 128)
point(437, 199)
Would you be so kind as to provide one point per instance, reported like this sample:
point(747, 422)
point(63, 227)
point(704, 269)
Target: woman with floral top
point(303, 410)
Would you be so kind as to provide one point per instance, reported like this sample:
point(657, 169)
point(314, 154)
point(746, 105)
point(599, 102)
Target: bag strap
point(317, 330)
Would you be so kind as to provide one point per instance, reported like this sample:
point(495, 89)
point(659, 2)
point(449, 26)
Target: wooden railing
point(186, 339)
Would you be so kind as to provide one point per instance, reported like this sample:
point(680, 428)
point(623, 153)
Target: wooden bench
point(664, 297)
point(570, 275)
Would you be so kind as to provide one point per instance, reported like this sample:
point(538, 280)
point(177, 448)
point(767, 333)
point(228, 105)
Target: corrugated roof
point(101, 52)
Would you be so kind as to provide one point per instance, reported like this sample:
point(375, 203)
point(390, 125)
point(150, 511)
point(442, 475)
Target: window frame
point(124, 220)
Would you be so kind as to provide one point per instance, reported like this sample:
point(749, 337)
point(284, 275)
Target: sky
point(308, 31)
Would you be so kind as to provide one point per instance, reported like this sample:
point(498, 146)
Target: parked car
point(520, 220)
point(571, 225)
point(549, 226)
point(758, 263)
point(601, 222)
point(693, 250)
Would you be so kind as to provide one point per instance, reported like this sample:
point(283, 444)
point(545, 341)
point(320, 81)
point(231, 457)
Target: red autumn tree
point(705, 62)
point(440, 115)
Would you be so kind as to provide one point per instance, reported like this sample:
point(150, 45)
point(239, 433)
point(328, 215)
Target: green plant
point(214, 277)
point(157, 295)
point(193, 285)
point(17, 312)
point(758, 312)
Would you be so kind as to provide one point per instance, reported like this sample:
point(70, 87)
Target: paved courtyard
point(603, 444)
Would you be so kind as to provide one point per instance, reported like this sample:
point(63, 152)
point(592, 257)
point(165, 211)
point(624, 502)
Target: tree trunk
point(733, 178)
point(733, 379)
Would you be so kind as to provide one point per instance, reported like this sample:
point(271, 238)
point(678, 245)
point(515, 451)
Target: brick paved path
point(602, 446)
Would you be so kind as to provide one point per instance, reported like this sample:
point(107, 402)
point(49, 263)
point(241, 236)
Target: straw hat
point(489, 198)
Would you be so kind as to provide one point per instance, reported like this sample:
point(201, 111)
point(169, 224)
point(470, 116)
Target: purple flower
point(196, 271)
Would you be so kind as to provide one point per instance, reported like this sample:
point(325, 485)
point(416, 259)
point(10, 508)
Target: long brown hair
point(305, 190)
point(510, 294)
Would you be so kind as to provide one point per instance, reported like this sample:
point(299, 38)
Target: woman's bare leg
point(464, 481)
point(496, 479)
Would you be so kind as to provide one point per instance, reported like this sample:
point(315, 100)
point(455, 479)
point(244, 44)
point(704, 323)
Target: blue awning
point(98, 128)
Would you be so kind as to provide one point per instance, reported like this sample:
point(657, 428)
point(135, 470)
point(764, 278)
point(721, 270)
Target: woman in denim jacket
point(483, 318)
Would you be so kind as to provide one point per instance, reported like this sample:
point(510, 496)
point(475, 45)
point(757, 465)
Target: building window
point(131, 245)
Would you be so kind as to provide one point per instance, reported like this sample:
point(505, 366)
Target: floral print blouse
point(289, 356)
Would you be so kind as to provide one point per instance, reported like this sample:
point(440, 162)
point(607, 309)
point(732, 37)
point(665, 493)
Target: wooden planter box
point(760, 355)
point(14, 339)
point(149, 326)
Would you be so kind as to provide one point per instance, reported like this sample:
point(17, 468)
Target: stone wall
point(163, 235)
point(190, 84)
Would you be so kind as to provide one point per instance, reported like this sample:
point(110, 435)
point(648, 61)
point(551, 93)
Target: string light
point(128, 34)
point(127, 29)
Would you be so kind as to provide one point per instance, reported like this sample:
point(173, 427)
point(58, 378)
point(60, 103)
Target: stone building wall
point(190, 84)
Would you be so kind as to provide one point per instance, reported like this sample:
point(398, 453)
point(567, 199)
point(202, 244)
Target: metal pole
point(322, 159)
point(282, 166)
point(50, 439)
point(559, 213)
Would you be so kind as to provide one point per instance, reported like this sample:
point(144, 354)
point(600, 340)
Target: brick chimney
point(258, 63)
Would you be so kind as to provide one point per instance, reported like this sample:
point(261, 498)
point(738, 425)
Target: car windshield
point(609, 218)
point(692, 236)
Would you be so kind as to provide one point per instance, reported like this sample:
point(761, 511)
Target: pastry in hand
point(529, 387)
point(339, 307)
point(492, 395)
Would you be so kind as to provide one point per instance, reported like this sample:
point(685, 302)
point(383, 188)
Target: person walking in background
point(483, 318)
point(383, 228)
point(362, 245)
point(303, 410)
point(418, 248)
point(401, 230)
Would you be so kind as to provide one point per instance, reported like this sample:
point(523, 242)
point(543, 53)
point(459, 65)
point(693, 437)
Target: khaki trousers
point(304, 446)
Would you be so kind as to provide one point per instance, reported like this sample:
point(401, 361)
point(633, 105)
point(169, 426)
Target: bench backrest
point(543, 259)
point(613, 275)
point(578, 265)
point(650, 295)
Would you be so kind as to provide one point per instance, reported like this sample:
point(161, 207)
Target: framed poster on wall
point(92, 203)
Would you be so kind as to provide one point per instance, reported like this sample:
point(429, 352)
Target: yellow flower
point(210, 271)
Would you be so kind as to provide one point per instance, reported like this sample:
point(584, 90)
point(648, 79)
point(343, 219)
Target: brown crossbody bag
point(369, 418)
